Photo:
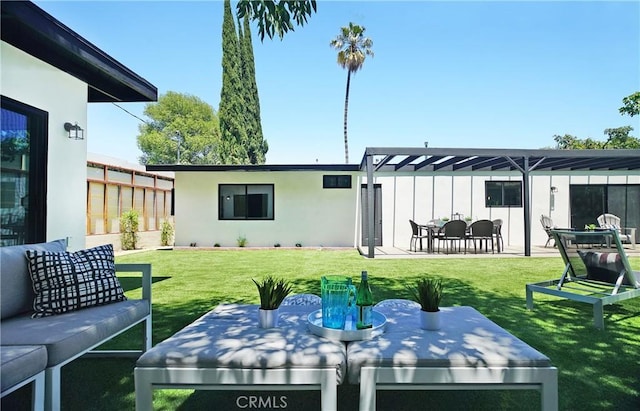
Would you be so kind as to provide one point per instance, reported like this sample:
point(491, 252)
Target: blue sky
point(455, 74)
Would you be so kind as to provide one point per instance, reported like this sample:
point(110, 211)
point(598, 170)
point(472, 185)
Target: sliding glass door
point(587, 202)
point(23, 139)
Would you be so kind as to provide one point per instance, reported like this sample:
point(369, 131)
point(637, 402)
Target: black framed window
point(245, 202)
point(336, 181)
point(503, 193)
point(23, 172)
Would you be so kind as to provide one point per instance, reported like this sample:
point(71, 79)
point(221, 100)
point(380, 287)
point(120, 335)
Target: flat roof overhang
point(398, 159)
point(29, 28)
point(254, 167)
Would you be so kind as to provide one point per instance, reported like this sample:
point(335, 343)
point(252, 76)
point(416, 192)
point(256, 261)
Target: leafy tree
point(276, 17)
point(619, 138)
point(234, 140)
point(179, 123)
point(631, 105)
point(569, 142)
point(353, 48)
point(13, 145)
point(257, 147)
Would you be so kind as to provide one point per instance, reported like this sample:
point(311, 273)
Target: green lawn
point(597, 369)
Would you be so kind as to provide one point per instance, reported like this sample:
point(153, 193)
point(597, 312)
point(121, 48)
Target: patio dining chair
point(547, 224)
point(451, 232)
point(481, 230)
point(497, 233)
point(415, 236)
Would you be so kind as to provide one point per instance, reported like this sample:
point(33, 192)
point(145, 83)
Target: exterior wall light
point(552, 198)
point(75, 131)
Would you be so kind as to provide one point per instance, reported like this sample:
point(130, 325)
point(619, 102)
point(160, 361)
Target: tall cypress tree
point(249, 125)
point(257, 147)
point(234, 140)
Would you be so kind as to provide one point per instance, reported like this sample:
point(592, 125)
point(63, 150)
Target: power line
point(131, 114)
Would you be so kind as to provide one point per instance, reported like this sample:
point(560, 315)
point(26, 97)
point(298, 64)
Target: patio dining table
point(430, 230)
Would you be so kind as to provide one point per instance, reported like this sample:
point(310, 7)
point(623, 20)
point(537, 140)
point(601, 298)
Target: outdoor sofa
point(38, 336)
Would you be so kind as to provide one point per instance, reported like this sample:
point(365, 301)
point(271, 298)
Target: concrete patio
point(508, 252)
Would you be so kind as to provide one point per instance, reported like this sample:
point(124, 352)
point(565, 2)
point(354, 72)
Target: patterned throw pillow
point(603, 266)
point(67, 281)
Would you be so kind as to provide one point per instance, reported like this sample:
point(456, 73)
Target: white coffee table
point(226, 350)
point(469, 352)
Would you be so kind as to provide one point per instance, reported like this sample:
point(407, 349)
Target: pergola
point(402, 159)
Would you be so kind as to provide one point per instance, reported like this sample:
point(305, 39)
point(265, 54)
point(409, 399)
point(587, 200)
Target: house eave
point(254, 168)
point(32, 30)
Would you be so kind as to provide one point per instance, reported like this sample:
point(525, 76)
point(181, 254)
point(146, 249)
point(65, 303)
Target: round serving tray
point(350, 333)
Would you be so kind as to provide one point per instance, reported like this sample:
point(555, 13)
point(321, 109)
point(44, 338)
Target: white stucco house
point(48, 75)
point(328, 205)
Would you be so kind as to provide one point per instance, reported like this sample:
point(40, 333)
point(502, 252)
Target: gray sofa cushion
point(69, 281)
point(68, 334)
point(16, 290)
point(19, 363)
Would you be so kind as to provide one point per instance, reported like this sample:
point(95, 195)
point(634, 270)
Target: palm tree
point(353, 49)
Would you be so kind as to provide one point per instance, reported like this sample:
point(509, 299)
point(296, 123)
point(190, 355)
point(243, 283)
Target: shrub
point(129, 230)
point(166, 235)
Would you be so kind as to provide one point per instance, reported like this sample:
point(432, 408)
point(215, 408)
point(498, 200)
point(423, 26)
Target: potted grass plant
point(428, 293)
point(272, 291)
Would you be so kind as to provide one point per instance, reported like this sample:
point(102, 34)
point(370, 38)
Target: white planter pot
point(430, 320)
point(268, 318)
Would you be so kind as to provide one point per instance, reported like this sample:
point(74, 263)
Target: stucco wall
point(304, 212)
point(33, 82)
point(307, 214)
